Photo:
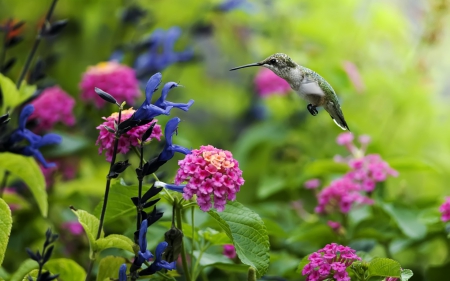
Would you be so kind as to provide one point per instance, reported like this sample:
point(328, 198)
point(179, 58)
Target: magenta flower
point(330, 262)
point(210, 173)
point(312, 184)
point(53, 106)
point(116, 79)
point(105, 139)
point(445, 210)
point(341, 195)
point(73, 227)
point(369, 170)
point(268, 83)
point(229, 251)
point(334, 225)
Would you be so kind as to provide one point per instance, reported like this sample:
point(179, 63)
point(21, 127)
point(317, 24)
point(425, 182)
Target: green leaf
point(231, 267)
point(270, 185)
point(407, 221)
point(214, 237)
point(324, 167)
point(90, 225)
point(27, 170)
point(302, 264)
point(115, 241)
point(10, 93)
point(384, 267)
point(67, 269)
point(25, 267)
point(406, 274)
point(5, 228)
point(412, 165)
point(208, 259)
point(109, 268)
point(248, 233)
point(119, 202)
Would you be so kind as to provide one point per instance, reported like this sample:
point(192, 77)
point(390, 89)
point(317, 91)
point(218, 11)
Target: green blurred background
point(400, 50)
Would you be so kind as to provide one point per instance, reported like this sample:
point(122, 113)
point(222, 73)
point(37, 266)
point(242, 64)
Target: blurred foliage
point(400, 50)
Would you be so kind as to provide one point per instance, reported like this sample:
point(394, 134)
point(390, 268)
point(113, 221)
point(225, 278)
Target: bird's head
point(281, 64)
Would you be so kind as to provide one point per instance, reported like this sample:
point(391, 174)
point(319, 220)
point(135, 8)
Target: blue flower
point(174, 187)
point(34, 141)
point(169, 148)
point(162, 103)
point(148, 111)
point(143, 253)
point(159, 263)
point(123, 272)
point(154, 61)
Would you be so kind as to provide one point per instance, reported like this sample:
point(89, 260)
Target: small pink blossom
point(105, 140)
point(212, 174)
point(334, 225)
point(73, 227)
point(229, 251)
point(445, 210)
point(345, 139)
point(331, 261)
point(268, 83)
point(341, 195)
point(52, 106)
point(354, 76)
point(114, 78)
point(312, 184)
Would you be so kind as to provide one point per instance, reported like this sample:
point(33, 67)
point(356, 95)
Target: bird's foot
point(312, 109)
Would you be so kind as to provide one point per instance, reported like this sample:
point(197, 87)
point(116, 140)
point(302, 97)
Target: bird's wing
point(311, 88)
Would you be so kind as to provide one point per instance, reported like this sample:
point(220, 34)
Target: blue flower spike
point(174, 187)
point(170, 148)
point(159, 262)
point(123, 272)
point(161, 102)
point(143, 254)
point(34, 141)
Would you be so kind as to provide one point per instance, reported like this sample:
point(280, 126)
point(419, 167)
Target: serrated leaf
point(384, 267)
point(67, 269)
point(27, 170)
point(25, 267)
point(248, 233)
point(119, 202)
point(5, 228)
point(406, 274)
point(109, 268)
point(10, 93)
point(90, 225)
point(407, 220)
point(115, 241)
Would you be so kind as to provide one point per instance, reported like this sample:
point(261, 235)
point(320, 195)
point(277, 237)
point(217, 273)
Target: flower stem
point(105, 197)
point(183, 250)
point(4, 181)
point(140, 179)
point(5, 39)
point(36, 44)
point(193, 235)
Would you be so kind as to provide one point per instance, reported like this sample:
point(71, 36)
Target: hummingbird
point(307, 84)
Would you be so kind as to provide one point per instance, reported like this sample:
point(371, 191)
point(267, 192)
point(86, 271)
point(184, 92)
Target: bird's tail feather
point(338, 117)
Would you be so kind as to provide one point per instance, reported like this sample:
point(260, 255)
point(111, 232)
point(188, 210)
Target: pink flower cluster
point(366, 171)
point(445, 210)
point(330, 262)
point(53, 106)
point(114, 78)
point(229, 251)
point(210, 173)
point(105, 139)
point(268, 83)
point(340, 195)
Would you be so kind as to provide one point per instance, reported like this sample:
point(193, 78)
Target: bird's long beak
point(247, 65)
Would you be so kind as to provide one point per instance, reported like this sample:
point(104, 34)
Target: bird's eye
point(273, 61)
